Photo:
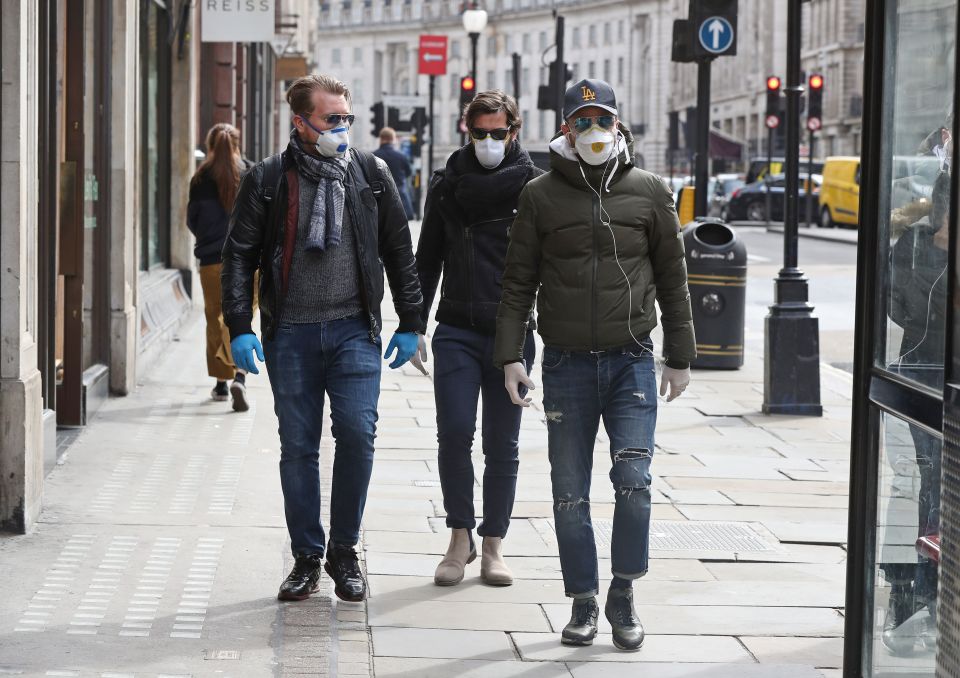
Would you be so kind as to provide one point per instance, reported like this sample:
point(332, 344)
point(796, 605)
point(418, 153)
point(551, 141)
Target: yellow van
point(840, 192)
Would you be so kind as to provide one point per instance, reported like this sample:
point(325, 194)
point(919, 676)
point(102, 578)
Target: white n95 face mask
point(490, 152)
point(333, 143)
point(595, 145)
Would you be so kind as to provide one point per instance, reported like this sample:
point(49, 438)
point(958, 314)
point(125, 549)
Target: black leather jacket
point(259, 237)
point(465, 235)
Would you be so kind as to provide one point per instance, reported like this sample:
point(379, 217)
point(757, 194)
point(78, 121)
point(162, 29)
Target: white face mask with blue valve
point(332, 143)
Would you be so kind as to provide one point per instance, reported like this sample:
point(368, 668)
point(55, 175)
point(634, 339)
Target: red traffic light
point(773, 83)
point(816, 81)
point(468, 84)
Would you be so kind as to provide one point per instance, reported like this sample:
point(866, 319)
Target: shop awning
point(725, 147)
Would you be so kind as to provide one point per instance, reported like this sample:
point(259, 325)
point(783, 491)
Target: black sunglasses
point(581, 125)
point(498, 134)
point(338, 118)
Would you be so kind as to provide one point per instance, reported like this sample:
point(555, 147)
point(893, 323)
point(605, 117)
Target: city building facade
point(104, 109)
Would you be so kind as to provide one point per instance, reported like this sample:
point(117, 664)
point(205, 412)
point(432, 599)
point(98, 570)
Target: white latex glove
point(514, 376)
point(420, 357)
point(677, 380)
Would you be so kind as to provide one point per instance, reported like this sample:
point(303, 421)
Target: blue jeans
point(305, 362)
point(464, 369)
point(580, 388)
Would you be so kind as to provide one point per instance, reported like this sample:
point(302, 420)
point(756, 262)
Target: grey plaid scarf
point(326, 217)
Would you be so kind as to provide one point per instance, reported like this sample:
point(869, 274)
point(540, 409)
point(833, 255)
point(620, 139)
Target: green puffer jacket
point(561, 247)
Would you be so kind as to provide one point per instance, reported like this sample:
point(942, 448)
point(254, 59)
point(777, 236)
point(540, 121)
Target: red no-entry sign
point(773, 121)
point(433, 55)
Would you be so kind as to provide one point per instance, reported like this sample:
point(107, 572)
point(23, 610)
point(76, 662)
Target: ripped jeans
point(580, 388)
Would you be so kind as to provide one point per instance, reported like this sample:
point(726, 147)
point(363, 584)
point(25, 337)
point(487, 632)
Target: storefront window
point(914, 207)
point(155, 136)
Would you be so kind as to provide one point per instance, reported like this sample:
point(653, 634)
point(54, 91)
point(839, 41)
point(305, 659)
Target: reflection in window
point(914, 199)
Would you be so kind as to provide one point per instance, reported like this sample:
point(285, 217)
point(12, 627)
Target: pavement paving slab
point(162, 542)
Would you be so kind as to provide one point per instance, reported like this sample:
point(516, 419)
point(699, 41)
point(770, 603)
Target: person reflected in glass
point(918, 296)
point(470, 209)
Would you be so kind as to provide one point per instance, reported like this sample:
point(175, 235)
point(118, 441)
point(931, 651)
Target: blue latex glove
point(242, 349)
point(405, 344)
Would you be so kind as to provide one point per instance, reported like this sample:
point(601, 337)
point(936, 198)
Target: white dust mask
point(333, 143)
point(595, 145)
point(490, 152)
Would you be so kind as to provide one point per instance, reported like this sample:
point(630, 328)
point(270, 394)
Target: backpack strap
point(271, 176)
point(368, 163)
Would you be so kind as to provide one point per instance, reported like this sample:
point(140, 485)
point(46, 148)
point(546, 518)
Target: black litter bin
point(717, 273)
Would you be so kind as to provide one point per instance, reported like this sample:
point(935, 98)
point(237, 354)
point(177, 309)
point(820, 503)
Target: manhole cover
point(694, 536)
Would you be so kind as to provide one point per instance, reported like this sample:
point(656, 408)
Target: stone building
point(105, 106)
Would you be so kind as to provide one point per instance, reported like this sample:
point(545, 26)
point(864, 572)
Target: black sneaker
point(343, 566)
point(900, 608)
point(238, 392)
point(220, 392)
point(582, 628)
point(303, 578)
point(627, 630)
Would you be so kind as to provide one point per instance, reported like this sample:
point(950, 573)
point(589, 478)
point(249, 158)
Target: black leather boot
point(303, 578)
point(627, 630)
point(582, 628)
point(343, 566)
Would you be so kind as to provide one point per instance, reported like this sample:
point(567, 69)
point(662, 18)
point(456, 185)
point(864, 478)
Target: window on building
point(508, 78)
point(454, 49)
point(591, 69)
point(545, 132)
point(620, 63)
point(357, 55)
point(575, 72)
point(592, 36)
point(607, 75)
point(335, 56)
point(526, 43)
point(607, 33)
point(455, 86)
point(543, 41)
point(525, 80)
point(491, 82)
point(508, 44)
point(492, 45)
point(620, 31)
point(576, 37)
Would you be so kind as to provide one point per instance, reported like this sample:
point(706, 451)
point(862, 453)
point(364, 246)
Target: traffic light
point(468, 90)
point(815, 83)
point(549, 94)
point(773, 102)
point(376, 119)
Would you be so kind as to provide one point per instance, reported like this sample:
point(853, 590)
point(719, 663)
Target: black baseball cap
point(589, 92)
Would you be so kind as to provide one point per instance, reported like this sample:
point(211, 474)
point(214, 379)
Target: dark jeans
point(304, 362)
point(579, 389)
point(405, 199)
point(464, 369)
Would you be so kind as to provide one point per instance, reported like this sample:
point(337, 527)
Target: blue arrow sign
point(716, 35)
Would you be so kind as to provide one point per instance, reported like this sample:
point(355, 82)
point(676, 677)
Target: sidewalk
point(839, 235)
point(162, 544)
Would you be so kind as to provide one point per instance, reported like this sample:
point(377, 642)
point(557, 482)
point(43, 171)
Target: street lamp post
point(474, 21)
point(791, 380)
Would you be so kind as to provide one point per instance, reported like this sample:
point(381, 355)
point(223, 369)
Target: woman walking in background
point(213, 190)
point(470, 208)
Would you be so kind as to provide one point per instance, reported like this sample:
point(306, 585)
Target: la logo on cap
point(588, 94)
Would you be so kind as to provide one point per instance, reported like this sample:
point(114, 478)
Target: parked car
point(721, 188)
point(749, 203)
point(758, 167)
point(840, 195)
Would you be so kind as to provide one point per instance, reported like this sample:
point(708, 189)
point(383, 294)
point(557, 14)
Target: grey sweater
point(325, 285)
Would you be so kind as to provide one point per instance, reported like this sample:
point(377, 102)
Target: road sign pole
point(560, 75)
point(702, 173)
point(791, 378)
point(766, 176)
point(810, 218)
point(433, 87)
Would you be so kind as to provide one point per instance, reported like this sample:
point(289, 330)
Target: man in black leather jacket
point(318, 220)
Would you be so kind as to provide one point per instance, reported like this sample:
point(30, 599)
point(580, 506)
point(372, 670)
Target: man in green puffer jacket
point(595, 243)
